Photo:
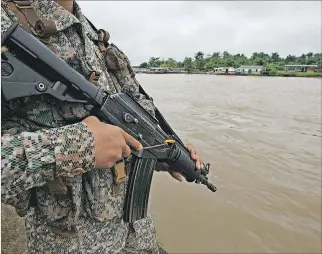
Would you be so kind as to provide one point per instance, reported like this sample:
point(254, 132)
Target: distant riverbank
point(230, 71)
point(280, 74)
point(225, 63)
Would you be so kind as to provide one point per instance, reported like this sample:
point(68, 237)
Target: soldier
point(57, 160)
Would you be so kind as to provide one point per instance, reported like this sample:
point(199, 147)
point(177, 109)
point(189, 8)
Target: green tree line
point(201, 62)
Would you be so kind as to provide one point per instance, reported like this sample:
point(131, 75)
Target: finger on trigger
point(132, 142)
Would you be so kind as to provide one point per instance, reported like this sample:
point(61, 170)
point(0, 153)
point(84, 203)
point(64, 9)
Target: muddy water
point(262, 137)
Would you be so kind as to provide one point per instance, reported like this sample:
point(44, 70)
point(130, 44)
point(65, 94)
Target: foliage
point(272, 62)
point(187, 63)
point(308, 74)
point(144, 65)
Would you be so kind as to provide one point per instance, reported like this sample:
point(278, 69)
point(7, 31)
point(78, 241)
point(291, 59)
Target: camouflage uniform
point(43, 138)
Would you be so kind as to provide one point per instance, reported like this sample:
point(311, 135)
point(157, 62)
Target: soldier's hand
point(111, 142)
point(176, 175)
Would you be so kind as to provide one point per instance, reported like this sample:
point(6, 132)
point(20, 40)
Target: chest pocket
point(119, 65)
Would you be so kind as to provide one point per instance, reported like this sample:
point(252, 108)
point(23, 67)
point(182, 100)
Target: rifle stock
point(45, 73)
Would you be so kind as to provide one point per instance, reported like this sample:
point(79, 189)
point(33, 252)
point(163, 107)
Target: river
point(262, 137)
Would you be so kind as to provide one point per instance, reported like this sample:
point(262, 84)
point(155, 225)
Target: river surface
point(262, 137)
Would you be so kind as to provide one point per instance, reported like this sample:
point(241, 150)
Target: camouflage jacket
point(42, 138)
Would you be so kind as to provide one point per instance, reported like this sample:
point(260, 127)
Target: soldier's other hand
point(176, 175)
point(194, 155)
point(111, 142)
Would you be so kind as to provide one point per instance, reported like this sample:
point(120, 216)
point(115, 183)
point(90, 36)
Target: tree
point(199, 55)
point(275, 57)
point(225, 54)
point(187, 63)
point(216, 54)
point(274, 62)
point(144, 65)
point(271, 69)
point(199, 62)
point(171, 63)
point(309, 54)
point(180, 64)
point(302, 59)
point(154, 62)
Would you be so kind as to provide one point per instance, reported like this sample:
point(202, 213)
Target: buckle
point(94, 77)
point(119, 173)
point(103, 38)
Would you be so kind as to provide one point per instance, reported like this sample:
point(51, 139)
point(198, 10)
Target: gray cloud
point(143, 29)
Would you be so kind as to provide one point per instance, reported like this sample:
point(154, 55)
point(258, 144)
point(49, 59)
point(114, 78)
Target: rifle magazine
point(138, 189)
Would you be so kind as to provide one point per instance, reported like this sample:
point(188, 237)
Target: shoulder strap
point(22, 10)
point(29, 20)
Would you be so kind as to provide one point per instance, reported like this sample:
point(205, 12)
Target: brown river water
point(262, 137)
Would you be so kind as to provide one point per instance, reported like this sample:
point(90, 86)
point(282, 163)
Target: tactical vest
point(117, 63)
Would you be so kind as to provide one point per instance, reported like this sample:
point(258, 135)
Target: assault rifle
point(30, 68)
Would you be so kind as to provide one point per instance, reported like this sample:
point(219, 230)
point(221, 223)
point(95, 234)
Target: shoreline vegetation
point(259, 64)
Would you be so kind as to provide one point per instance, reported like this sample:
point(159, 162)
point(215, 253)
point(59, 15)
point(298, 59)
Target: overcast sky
point(143, 29)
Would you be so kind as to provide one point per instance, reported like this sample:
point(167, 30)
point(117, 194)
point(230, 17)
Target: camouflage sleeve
point(7, 17)
point(31, 159)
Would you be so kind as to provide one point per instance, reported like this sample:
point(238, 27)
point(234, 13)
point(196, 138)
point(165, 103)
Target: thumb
point(176, 175)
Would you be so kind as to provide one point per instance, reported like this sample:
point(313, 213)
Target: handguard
point(45, 73)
